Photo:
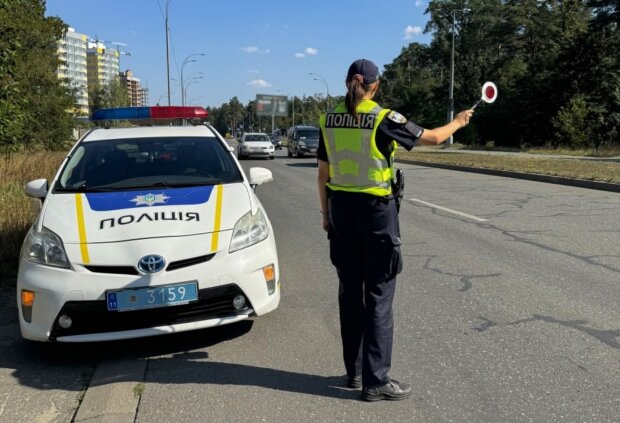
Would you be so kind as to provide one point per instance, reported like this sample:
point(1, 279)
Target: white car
point(255, 144)
point(146, 231)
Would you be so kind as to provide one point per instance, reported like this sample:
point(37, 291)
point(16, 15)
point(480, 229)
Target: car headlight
point(44, 247)
point(302, 144)
point(249, 230)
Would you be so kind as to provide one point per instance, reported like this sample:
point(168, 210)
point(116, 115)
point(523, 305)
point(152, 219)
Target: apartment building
point(73, 67)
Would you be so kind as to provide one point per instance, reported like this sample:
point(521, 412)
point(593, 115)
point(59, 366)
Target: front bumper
point(80, 293)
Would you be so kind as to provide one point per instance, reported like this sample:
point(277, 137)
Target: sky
point(250, 47)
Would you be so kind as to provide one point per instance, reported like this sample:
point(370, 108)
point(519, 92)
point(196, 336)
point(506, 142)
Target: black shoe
point(354, 382)
point(391, 391)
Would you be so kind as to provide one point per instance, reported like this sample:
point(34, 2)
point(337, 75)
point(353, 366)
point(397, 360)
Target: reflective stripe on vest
point(355, 162)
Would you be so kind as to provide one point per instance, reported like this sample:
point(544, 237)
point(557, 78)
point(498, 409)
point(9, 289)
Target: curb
point(111, 395)
point(581, 183)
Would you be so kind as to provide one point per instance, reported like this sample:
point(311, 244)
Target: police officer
point(356, 153)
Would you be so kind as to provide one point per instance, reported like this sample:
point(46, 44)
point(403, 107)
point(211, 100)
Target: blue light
point(125, 113)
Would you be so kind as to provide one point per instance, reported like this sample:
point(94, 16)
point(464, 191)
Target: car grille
point(179, 264)
point(130, 270)
point(93, 316)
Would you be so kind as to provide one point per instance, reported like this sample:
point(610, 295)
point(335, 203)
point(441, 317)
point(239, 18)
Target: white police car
point(146, 231)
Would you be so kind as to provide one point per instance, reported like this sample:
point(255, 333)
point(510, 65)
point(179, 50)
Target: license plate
point(152, 297)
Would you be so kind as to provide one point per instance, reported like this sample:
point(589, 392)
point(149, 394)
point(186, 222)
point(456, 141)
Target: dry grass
point(606, 171)
point(17, 211)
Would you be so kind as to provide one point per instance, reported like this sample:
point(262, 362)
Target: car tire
point(288, 152)
point(299, 154)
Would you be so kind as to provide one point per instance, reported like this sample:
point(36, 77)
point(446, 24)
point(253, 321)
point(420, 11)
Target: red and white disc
point(489, 92)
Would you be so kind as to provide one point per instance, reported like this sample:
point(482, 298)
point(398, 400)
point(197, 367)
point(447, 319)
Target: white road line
point(458, 213)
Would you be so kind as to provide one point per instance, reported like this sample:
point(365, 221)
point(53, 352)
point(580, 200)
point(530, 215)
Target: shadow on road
point(173, 359)
point(195, 368)
point(303, 164)
point(59, 365)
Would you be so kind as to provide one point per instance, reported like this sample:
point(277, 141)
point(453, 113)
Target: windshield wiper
point(164, 185)
point(85, 188)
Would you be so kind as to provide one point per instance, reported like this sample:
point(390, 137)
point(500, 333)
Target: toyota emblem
point(151, 264)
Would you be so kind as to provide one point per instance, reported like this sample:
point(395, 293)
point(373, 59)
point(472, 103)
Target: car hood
point(310, 141)
point(153, 213)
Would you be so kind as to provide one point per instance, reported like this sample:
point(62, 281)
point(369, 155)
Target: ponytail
point(355, 92)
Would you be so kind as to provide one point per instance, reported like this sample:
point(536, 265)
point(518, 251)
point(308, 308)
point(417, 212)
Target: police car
point(145, 231)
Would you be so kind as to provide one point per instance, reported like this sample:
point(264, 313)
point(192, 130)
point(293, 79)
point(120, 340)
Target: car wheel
point(288, 152)
point(298, 154)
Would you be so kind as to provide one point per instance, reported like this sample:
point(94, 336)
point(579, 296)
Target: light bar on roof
point(155, 112)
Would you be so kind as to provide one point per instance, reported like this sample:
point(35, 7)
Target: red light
point(178, 112)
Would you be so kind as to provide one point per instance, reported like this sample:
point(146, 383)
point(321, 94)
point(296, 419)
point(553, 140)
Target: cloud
point(300, 55)
point(254, 49)
point(253, 71)
point(410, 31)
point(418, 3)
point(311, 51)
point(259, 83)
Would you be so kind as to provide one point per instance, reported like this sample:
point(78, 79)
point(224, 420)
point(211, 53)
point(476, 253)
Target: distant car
point(255, 144)
point(146, 231)
point(276, 141)
point(303, 140)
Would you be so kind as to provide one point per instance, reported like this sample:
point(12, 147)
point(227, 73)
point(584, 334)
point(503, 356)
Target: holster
point(398, 188)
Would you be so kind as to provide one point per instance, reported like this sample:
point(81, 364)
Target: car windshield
point(257, 137)
point(308, 133)
point(137, 163)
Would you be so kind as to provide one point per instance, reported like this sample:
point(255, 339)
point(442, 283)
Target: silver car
point(255, 144)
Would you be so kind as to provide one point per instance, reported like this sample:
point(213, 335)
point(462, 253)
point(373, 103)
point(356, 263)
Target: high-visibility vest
point(355, 162)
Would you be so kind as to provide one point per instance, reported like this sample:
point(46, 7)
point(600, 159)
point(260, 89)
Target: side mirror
point(36, 188)
point(259, 175)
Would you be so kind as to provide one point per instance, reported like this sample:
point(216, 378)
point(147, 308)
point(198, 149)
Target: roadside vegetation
point(17, 212)
point(604, 171)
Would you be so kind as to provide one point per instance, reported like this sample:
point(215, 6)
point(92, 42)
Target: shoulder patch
point(397, 117)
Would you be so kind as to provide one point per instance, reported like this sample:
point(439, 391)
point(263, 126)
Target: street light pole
point(451, 89)
point(185, 62)
point(167, 53)
point(194, 80)
point(320, 78)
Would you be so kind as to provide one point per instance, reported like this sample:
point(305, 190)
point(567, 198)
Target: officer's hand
point(463, 117)
point(325, 222)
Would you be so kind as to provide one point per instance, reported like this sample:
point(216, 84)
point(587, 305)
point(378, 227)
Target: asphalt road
point(507, 310)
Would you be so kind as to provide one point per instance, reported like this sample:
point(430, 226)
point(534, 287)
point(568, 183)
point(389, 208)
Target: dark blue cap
point(366, 69)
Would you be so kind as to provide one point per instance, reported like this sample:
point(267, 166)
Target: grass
point(17, 211)
point(605, 171)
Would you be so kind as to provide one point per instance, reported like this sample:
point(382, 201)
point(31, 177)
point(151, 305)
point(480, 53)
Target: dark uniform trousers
point(365, 249)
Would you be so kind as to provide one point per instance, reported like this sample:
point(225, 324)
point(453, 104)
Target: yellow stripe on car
point(79, 209)
point(218, 218)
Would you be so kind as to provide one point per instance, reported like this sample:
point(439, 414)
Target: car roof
point(100, 134)
point(305, 127)
point(255, 133)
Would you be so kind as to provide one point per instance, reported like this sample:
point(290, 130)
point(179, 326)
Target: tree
point(34, 103)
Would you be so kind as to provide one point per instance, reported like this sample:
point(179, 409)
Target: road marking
point(458, 213)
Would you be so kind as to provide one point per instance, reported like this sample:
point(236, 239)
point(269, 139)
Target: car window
point(308, 133)
point(257, 137)
point(148, 162)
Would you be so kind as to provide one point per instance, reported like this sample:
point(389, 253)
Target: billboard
point(271, 105)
